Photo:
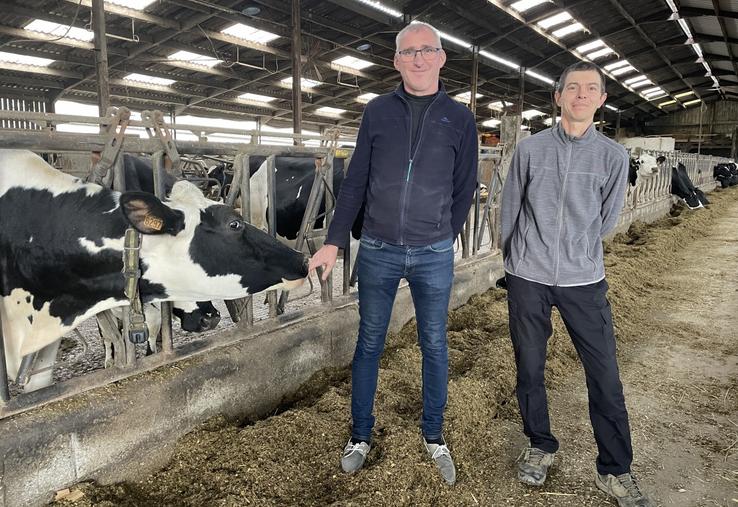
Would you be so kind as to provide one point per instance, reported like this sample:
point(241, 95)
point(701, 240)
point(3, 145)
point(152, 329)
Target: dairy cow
point(644, 165)
point(193, 316)
point(682, 187)
point(726, 174)
point(61, 244)
point(294, 180)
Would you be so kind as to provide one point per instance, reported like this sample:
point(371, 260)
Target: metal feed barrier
point(169, 154)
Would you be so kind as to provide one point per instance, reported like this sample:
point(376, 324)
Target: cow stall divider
point(241, 310)
point(115, 139)
point(651, 197)
point(656, 188)
point(487, 219)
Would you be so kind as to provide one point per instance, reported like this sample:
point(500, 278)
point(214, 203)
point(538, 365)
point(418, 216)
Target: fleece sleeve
point(465, 177)
point(353, 188)
point(513, 192)
point(613, 193)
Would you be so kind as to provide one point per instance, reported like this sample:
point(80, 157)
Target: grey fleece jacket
point(561, 196)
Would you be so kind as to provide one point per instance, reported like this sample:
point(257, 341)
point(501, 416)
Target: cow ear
point(148, 215)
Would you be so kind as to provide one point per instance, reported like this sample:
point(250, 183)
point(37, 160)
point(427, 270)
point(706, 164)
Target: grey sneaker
point(624, 489)
point(445, 463)
point(353, 456)
point(533, 468)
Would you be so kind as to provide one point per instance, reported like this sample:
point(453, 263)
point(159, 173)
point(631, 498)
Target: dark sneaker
point(533, 467)
point(442, 456)
point(624, 489)
point(353, 456)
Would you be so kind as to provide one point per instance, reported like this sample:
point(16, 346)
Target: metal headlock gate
point(169, 154)
point(658, 186)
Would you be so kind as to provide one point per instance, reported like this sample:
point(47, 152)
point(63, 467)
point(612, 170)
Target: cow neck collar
point(589, 135)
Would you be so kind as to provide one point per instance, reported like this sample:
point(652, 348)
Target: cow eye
point(236, 225)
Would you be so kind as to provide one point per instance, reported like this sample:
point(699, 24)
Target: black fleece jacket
point(414, 195)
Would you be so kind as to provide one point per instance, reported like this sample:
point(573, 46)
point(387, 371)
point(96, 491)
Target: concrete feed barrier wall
point(127, 429)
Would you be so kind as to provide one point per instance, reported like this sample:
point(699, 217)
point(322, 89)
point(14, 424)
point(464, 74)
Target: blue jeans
point(429, 271)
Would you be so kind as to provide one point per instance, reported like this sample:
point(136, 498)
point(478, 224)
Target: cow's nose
point(207, 323)
point(305, 264)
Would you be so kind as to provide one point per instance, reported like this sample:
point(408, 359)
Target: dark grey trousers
point(588, 319)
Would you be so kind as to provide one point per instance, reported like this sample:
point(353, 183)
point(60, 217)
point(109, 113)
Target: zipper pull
point(409, 168)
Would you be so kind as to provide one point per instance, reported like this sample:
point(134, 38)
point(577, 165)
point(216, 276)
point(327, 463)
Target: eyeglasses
point(408, 55)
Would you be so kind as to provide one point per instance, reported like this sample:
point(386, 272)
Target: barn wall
point(719, 117)
point(128, 429)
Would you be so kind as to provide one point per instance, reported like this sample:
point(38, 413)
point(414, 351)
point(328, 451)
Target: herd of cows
point(646, 166)
point(61, 248)
point(62, 240)
point(726, 174)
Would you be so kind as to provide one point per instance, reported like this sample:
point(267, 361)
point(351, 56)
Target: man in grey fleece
point(563, 193)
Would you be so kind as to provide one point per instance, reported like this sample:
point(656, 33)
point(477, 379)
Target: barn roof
point(230, 59)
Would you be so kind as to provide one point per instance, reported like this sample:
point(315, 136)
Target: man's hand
point(324, 258)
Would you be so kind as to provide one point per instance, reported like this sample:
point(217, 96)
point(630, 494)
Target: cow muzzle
point(292, 284)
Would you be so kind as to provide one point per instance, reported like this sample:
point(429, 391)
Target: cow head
point(196, 317)
point(198, 250)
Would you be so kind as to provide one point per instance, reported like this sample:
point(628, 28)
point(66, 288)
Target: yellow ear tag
point(153, 222)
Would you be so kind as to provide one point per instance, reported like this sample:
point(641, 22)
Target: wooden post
point(101, 56)
point(521, 100)
point(473, 107)
point(296, 71)
point(327, 171)
point(554, 108)
point(699, 139)
point(617, 125)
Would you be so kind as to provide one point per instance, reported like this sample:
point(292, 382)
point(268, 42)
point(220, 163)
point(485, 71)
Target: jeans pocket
point(371, 243)
point(441, 246)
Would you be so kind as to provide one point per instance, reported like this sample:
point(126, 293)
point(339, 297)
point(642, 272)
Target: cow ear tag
point(153, 222)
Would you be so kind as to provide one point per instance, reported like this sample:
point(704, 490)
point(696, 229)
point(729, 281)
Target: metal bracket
point(156, 129)
point(114, 131)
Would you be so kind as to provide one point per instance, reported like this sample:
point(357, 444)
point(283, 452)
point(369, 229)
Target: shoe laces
point(441, 450)
point(628, 481)
point(360, 447)
point(533, 455)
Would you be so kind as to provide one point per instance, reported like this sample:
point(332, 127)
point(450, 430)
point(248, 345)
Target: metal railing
point(653, 188)
point(479, 237)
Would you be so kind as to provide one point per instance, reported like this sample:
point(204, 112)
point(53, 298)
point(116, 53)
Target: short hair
point(416, 26)
point(580, 66)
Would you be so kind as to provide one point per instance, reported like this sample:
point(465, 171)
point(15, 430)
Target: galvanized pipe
point(4, 389)
point(272, 220)
point(167, 336)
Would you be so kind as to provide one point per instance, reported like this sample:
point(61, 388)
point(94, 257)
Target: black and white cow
point(61, 244)
point(682, 187)
point(294, 180)
point(726, 174)
point(644, 165)
point(194, 317)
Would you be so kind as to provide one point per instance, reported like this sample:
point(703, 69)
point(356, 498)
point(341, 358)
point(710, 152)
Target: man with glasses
point(415, 168)
point(563, 193)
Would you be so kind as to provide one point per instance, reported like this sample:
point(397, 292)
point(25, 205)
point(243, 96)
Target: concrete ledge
point(128, 428)
point(652, 211)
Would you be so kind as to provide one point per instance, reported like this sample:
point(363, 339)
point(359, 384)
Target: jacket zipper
point(410, 156)
point(561, 215)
